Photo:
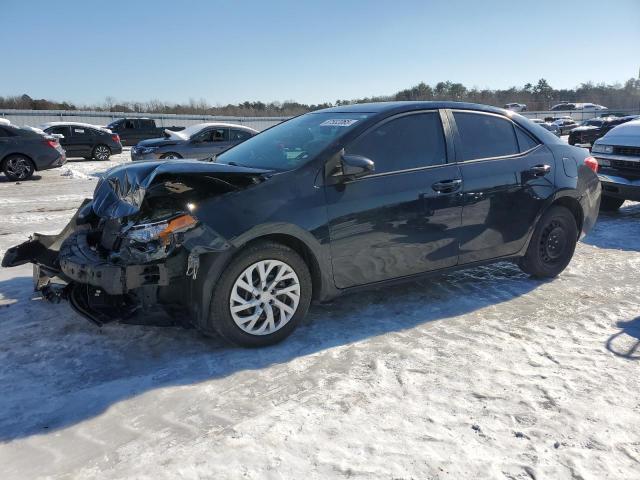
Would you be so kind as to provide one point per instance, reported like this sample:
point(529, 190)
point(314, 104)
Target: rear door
point(80, 142)
point(507, 175)
point(402, 219)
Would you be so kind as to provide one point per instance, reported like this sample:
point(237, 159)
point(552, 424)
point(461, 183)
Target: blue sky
point(231, 51)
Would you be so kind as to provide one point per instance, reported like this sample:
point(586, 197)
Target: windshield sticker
point(338, 122)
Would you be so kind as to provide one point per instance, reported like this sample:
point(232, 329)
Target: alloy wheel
point(102, 152)
point(19, 167)
point(264, 297)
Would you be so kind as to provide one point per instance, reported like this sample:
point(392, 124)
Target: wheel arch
point(573, 205)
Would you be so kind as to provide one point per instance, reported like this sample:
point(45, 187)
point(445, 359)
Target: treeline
point(538, 96)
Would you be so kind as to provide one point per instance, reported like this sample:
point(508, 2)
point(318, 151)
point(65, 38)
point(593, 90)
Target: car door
point(507, 176)
point(209, 142)
point(402, 219)
point(80, 142)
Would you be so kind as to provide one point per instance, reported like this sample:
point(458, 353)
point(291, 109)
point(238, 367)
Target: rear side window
point(411, 141)
point(485, 136)
point(525, 141)
point(239, 135)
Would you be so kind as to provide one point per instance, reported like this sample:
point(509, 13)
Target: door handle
point(539, 170)
point(447, 186)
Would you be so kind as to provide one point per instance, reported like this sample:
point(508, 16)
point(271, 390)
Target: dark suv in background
point(134, 130)
point(25, 150)
point(84, 140)
point(593, 129)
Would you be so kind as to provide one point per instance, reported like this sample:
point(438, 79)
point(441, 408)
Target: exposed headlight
point(146, 150)
point(161, 230)
point(599, 148)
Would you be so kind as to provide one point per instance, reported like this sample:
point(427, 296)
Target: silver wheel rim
point(18, 167)
point(102, 153)
point(264, 297)
point(171, 156)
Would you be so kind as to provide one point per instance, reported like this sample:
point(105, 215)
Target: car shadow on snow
point(626, 342)
point(618, 230)
point(57, 369)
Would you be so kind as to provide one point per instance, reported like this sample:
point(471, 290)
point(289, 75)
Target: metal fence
point(35, 118)
point(580, 115)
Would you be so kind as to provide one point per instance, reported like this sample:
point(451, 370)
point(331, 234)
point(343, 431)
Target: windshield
point(292, 143)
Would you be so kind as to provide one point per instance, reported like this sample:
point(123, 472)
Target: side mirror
point(355, 166)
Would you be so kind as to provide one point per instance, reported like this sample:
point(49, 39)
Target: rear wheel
point(262, 296)
point(552, 244)
point(101, 152)
point(610, 204)
point(170, 156)
point(18, 167)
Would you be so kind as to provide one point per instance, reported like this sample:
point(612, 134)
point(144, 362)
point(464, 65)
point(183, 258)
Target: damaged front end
point(129, 253)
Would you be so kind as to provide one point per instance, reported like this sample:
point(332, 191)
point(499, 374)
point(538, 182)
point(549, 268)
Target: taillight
point(115, 137)
point(592, 163)
point(52, 143)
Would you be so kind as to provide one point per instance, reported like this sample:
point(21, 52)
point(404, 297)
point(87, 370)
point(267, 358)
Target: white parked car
point(516, 107)
point(618, 155)
point(552, 127)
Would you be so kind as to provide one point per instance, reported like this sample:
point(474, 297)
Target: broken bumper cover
point(82, 264)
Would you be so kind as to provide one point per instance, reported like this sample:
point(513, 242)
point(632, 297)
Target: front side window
point(293, 143)
point(130, 124)
point(485, 136)
point(212, 136)
point(59, 131)
point(410, 141)
point(78, 131)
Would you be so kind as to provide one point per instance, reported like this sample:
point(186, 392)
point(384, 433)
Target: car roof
point(74, 124)
point(393, 107)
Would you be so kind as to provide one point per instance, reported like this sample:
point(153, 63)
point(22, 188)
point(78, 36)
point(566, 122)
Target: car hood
point(159, 142)
point(625, 135)
point(122, 190)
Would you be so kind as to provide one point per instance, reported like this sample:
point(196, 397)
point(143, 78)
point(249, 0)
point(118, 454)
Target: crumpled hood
point(121, 191)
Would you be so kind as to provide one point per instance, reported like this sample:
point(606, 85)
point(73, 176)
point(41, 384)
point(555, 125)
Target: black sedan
point(593, 129)
point(322, 204)
point(84, 140)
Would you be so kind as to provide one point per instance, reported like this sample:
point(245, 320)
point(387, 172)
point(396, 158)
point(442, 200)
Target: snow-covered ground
point(479, 374)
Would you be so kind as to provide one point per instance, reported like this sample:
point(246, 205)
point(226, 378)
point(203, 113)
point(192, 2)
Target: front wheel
point(170, 156)
point(101, 152)
point(262, 296)
point(552, 244)
point(610, 204)
point(18, 167)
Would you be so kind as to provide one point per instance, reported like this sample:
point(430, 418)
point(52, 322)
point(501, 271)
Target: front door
point(208, 143)
point(402, 219)
point(507, 177)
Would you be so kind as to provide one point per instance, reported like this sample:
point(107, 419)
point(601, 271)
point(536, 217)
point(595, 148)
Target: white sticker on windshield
point(338, 122)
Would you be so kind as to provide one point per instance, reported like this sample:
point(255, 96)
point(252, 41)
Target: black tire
point(220, 317)
point(610, 204)
point(170, 156)
point(101, 152)
point(552, 244)
point(18, 167)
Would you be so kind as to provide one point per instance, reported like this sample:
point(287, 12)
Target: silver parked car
point(198, 142)
point(552, 127)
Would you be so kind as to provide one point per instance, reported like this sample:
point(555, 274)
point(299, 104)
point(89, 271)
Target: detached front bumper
point(82, 264)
